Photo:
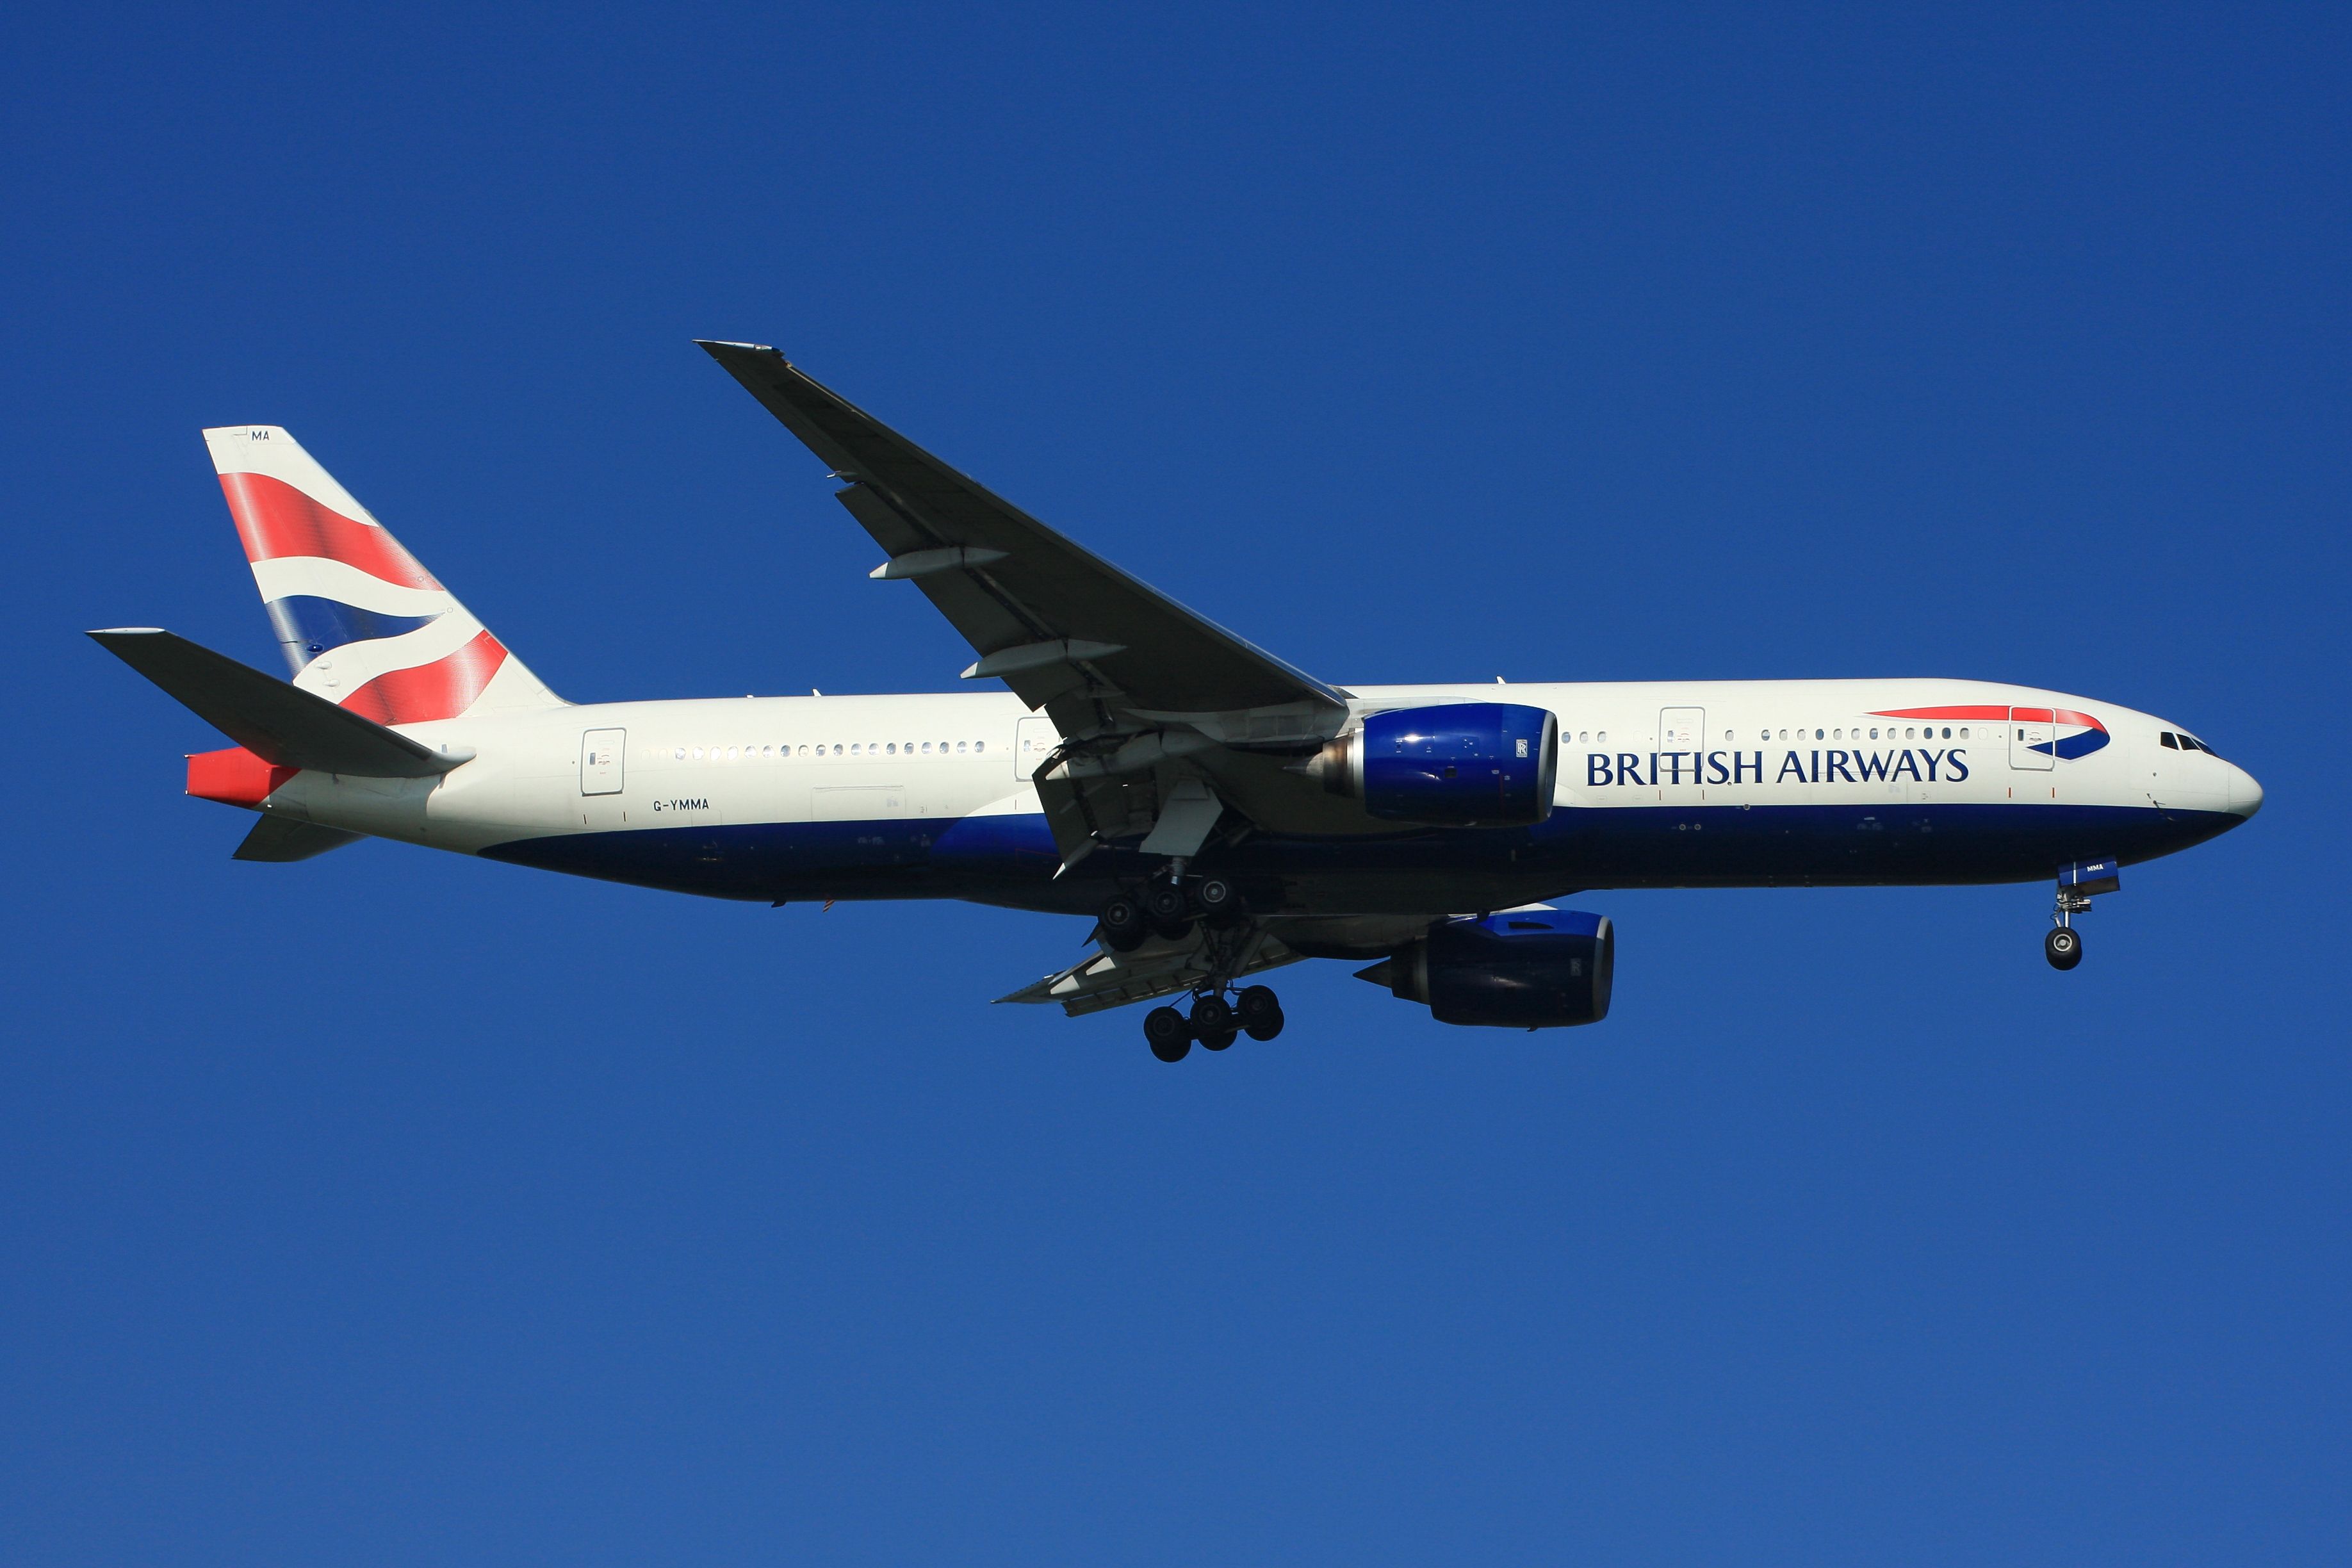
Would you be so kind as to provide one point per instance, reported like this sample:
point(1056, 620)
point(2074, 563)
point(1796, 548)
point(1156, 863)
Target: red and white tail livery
point(361, 623)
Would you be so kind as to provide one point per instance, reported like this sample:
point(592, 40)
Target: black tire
point(1170, 912)
point(1164, 903)
point(2063, 947)
point(1213, 1016)
point(1124, 926)
point(1169, 1034)
point(1217, 1042)
point(1266, 1029)
point(1217, 899)
point(1255, 1007)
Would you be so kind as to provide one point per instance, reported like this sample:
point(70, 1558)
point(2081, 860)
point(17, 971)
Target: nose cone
point(2245, 795)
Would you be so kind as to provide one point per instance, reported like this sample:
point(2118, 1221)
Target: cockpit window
point(2171, 741)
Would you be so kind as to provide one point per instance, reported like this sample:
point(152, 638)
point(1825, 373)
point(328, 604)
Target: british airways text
point(1813, 767)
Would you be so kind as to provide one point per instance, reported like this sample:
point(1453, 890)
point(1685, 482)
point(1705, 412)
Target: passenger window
point(962, 746)
point(978, 746)
point(1963, 731)
point(1874, 732)
point(1947, 732)
point(1602, 738)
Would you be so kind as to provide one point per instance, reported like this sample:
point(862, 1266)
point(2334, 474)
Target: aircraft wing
point(1158, 968)
point(1066, 630)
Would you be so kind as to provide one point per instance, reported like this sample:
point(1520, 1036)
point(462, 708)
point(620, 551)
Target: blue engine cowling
point(1526, 969)
point(1459, 764)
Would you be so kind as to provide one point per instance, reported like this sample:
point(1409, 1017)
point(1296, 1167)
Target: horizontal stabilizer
point(283, 838)
point(277, 722)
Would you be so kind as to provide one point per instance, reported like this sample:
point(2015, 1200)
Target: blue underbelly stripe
point(1011, 859)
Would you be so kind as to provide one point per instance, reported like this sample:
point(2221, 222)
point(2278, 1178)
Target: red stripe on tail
point(442, 689)
point(275, 519)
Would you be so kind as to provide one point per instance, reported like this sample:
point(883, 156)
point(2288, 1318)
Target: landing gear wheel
point(1216, 899)
point(1213, 1015)
point(1124, 926)
point(2063, 947)
point(1169, 1034)
point(1171, 914)
point(1259, 1012)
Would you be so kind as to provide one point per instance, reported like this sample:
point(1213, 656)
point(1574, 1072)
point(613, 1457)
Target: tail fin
point(362, 625)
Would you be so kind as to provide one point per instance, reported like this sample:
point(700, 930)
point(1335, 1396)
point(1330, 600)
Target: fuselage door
point(601, 754)
point(1682, 745)
point(1034, 740)
point(2032, 738)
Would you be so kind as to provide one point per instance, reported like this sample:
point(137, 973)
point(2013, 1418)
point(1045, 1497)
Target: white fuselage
point(916, 765)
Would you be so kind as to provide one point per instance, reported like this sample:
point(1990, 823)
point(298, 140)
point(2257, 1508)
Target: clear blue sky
point(400, 1208)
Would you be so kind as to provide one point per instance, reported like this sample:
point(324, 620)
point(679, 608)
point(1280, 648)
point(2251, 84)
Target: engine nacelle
point(1459, 764)
point(1526, 969)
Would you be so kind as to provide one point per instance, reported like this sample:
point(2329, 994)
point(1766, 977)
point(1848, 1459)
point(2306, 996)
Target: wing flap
point(1158, 968)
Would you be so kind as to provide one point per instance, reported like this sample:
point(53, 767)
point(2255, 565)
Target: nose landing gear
point(2063, 946)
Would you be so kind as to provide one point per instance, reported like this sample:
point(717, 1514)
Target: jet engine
point(1459, 764)
point(1523, 969)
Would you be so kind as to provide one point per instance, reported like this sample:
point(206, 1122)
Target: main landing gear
point(1215, 1022)
point(1167, 907)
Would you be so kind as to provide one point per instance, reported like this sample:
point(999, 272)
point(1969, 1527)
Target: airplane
point(1216, 812)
